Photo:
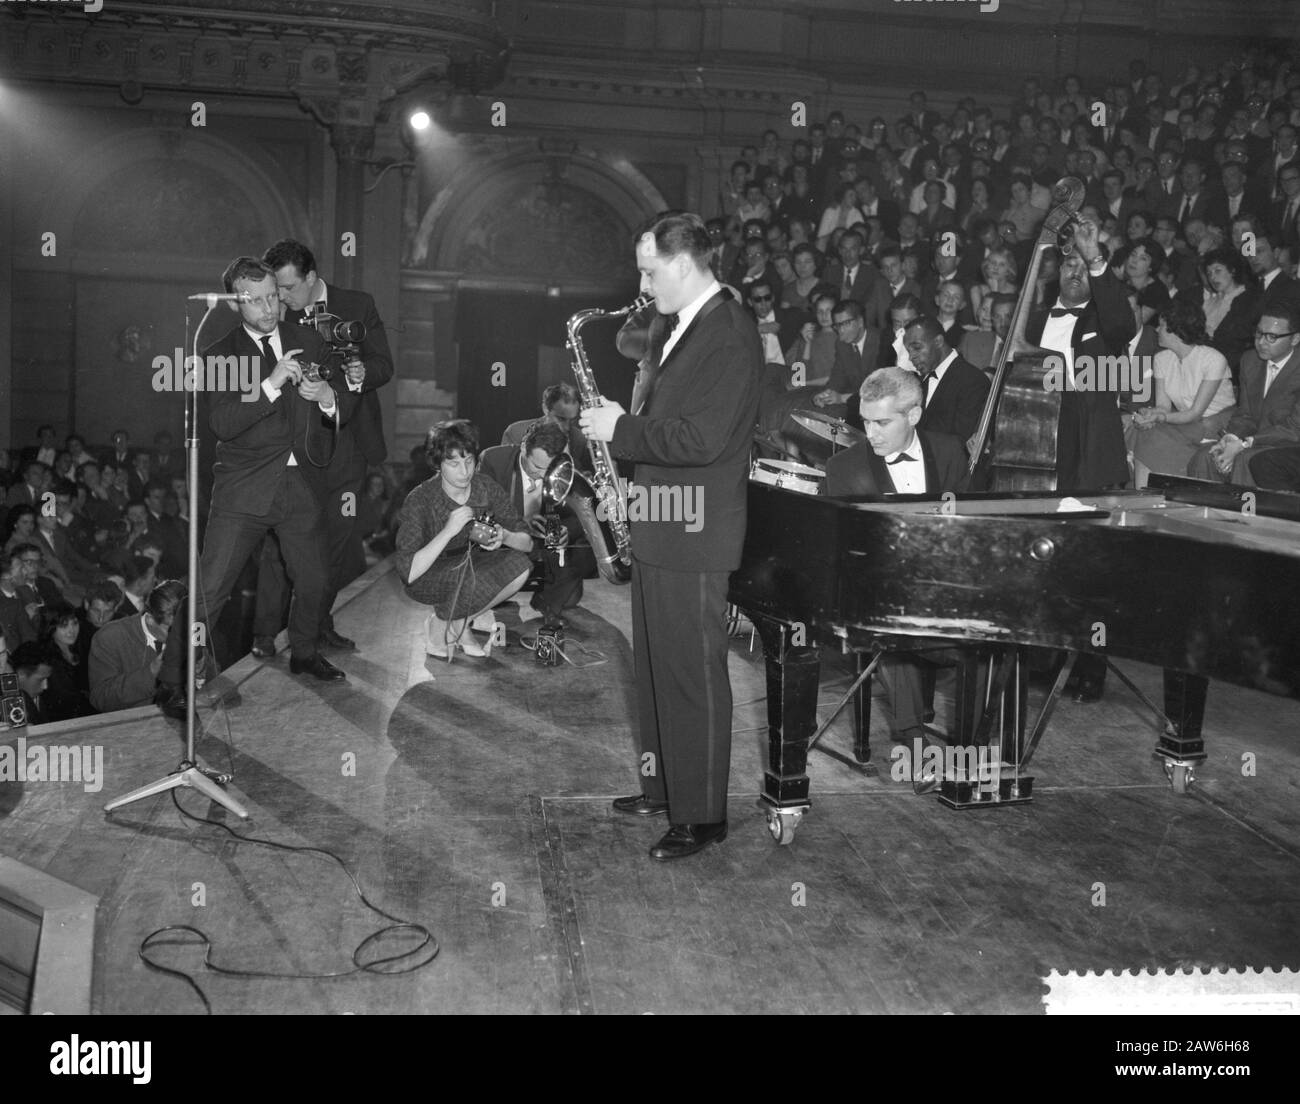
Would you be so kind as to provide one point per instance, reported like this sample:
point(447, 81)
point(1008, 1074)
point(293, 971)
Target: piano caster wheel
point(1180, 775)
point(783, 824)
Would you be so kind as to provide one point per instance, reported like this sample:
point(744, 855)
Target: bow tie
point(1061, 312)
point(900, 458)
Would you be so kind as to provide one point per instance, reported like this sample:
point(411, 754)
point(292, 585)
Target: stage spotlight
point(419, 120)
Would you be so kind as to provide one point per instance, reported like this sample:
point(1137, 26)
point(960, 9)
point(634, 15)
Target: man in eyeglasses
point(1268, 407)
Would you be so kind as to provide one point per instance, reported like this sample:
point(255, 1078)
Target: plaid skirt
point(470, 581)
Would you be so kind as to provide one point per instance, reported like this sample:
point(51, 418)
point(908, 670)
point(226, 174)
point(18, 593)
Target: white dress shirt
point(908, 475)
point(931, 384)
point(532, 491)
point(273, 393)
point(771, 342)
point(686, 316)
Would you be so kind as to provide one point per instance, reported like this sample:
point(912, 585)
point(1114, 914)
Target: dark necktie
point(268, 351)
point(900, 458)
point(1061, 312)
point(926, 380)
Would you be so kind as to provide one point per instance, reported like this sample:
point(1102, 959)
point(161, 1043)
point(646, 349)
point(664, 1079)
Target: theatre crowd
point(840, 241)
point(88, 534)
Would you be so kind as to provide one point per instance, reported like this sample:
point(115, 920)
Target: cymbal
point(834, 430)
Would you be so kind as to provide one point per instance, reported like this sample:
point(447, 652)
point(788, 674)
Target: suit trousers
point(295, 518)
point(1276, 469)
point(345, 557)
point(1202, 466)
point(679, 640)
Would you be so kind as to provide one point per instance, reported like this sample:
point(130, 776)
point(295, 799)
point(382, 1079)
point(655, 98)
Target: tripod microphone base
point(192, 777)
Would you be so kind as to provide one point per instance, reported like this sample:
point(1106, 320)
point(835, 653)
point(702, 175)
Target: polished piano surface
point(1203, 581)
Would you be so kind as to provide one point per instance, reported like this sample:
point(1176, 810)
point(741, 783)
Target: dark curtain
point(510, 327)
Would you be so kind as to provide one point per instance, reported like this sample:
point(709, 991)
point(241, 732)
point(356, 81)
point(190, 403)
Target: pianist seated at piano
point(1193, 395)
point(896, 457)
point(899, 458)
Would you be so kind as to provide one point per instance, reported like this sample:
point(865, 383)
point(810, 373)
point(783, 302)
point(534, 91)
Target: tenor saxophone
point(600, 500)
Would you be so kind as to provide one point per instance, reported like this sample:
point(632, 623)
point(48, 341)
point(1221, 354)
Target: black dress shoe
point(331, 639)
point(686, 839)
point(263, 647)
point(639, 805)
point(319, 666)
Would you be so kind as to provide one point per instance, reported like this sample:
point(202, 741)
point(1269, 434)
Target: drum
point(788, 475)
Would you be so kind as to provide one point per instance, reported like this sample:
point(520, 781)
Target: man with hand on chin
point(692, 430)
point(259, 479)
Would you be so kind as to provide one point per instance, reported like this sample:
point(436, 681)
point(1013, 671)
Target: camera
point(553, 534)
point(550, 645)
point(13, 711)
point(483, 529)
point(342, 339)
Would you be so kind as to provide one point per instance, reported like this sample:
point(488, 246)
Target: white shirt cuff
point(271, 393)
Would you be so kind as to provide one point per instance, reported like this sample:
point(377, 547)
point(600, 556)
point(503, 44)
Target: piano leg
point(1181, 746)
point(793, 675)
point(862, 712)
point(991, 707)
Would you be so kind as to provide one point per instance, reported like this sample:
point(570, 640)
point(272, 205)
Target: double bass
point(1018, 453)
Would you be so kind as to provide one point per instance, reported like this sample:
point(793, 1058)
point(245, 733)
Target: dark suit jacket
point(859, 471)
point(695, 434)
point(14, 622)
point(364, 431)
point(501, 462)
point(1288, 233)
point(850, 369)
point(173, 534)
point(869, 288)
point(254, 439)
point(1282, 293)
point(1159, 202)
point(1104, 329)
point(957, 403)
point(1200, 207)
point(120, 666)
point(1252, 203)
point(1272, 419)
point(790, 321)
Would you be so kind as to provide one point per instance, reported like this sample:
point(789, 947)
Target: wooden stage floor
point(479, 807)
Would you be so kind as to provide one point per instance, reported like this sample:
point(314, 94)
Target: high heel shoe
point(436, 643)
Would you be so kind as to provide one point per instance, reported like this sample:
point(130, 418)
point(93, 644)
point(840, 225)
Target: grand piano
point(1201, 580)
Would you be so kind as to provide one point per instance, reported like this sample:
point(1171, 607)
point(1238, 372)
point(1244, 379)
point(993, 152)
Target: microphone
point(214, 296)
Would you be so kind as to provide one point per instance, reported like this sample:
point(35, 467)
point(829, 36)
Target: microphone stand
point(191, 773)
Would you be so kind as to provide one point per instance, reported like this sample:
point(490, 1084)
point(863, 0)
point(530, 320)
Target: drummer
point(898, 458)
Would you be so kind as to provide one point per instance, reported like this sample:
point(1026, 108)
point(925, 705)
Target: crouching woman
point(438, 562)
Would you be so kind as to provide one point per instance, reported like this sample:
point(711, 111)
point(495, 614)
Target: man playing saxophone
point(691, 435)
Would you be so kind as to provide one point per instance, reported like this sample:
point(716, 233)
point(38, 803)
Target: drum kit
point(792, 476)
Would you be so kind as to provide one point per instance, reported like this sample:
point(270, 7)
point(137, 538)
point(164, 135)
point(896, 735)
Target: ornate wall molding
point(531, 213)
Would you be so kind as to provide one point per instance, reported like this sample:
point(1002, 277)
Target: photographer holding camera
point(262, 481)
point(361, 362)
point(448, 556)
point(519, 469)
